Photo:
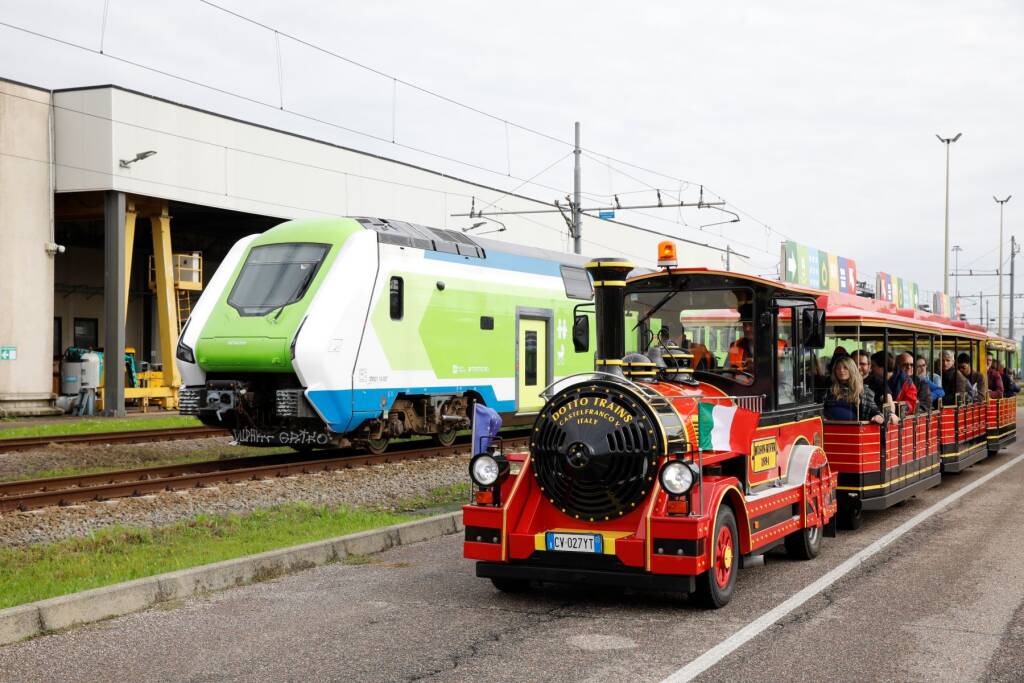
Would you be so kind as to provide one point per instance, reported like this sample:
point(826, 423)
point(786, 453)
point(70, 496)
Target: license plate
point(575, 543)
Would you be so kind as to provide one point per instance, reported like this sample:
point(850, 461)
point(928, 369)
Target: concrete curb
point(36, 618)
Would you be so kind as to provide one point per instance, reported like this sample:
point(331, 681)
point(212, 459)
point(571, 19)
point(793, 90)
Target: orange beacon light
point(667, 254)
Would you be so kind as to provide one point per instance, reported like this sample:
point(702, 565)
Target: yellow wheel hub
point(727, 558)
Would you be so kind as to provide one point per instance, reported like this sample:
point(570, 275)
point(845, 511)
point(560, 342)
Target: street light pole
point(945, 258)
point(999, 269)
point(956, 268)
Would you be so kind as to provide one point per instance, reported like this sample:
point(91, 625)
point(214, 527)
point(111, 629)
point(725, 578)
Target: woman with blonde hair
point(849, 399)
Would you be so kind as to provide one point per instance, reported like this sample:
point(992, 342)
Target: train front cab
point(777, 491)
point(1001, 413)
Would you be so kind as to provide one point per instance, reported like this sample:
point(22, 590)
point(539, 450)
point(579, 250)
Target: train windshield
point(716, 326)
point(275, 275)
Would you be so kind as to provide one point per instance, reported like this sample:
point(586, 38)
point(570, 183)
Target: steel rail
point(127, 437)
point(39, 493)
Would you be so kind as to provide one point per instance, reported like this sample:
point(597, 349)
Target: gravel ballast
point(376, 486)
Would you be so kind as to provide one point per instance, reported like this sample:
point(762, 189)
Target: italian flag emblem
point(725, 428)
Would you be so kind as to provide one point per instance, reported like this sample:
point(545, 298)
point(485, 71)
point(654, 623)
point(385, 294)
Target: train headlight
point(485, 469)
point(185, 353)
point(677, 477)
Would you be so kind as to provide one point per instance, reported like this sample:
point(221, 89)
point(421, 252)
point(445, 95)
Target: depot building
point(116, 207)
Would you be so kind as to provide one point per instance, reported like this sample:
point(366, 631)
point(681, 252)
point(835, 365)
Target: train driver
point(741, 351)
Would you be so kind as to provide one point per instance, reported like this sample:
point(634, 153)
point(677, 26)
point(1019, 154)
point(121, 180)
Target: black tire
point(511, 585)
point(712, 591)
point(804, 544)
point(851, 514)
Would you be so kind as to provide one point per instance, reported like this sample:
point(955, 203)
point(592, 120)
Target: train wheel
point(446, 438)
point(377, 446)
point(804, 544)
point(716, 586)
point(511, 585)
point(851, 515)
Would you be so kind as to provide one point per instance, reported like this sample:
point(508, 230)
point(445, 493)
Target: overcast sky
point(817, 118)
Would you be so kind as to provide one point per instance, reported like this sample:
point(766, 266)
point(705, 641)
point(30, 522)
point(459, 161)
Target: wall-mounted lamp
point(125, 163)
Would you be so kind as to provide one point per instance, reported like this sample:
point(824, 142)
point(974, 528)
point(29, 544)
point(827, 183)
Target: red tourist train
point(698, 441)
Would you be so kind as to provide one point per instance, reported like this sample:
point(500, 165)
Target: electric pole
point(999, 269)
point(1013, 254)
point(577, 221)
point(945, 267)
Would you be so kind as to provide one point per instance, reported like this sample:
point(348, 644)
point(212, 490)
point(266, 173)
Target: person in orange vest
point(741, 351)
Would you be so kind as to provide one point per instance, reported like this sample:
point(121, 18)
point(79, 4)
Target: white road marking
point(766, 620)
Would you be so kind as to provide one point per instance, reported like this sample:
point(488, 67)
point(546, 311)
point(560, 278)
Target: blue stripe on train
point(497, 259)
point(345, 409)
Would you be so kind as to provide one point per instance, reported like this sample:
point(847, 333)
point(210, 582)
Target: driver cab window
point(715, 326)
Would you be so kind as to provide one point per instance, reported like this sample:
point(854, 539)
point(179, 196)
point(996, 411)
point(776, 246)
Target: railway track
point(32, 494)
point(137, 436)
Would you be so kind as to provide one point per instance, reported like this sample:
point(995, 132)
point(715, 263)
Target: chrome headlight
point(677, 477)
point(484, 469)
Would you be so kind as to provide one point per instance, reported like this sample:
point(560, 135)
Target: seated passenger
point(876, 378)
point(849, 399)
point(702, 358)
point(921, 373)
point(922, 392)
point(1010, 387)
point(901, 386)
point(863, 360)
point(994, 379)
point(741, 351)
point(953, 383)
point(977, 385)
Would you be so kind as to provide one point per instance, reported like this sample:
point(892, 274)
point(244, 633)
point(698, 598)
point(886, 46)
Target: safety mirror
point(813, 324)
point(581, 333)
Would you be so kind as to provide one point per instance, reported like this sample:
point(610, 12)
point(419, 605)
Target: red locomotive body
point(617, 488)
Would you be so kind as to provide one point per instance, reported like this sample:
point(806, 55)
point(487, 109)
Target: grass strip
point(117, 554)
point(99, 426)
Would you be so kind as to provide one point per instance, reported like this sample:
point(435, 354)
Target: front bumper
point(591, 577)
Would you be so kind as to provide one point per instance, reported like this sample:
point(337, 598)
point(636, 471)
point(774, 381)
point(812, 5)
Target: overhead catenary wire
point(281, 106)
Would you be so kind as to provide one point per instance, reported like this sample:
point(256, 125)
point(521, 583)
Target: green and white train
point(339, 331)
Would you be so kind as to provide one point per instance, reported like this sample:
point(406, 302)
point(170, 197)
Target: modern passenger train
point(627, 479)
point(341, 331)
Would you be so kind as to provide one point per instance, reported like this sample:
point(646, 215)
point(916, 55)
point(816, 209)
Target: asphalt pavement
point(943, 602)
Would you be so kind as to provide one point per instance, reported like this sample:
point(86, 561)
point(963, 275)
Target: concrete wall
point(214, 161)
point(26, 275)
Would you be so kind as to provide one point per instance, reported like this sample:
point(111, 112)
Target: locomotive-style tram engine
point(670, 463)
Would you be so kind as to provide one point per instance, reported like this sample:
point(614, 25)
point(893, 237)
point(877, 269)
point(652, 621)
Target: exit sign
point(8, 353)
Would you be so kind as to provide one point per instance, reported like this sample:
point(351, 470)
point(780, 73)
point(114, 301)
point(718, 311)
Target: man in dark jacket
point(974, 378)
point(953, 383)
point(1010, 387)
point(881, 366)
point(905, 362)
point(995, 379)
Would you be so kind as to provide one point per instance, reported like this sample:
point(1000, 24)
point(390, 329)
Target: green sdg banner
point(810, 267)
point(903, 293)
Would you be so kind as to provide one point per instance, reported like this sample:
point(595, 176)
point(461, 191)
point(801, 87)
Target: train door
point(533, 359)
